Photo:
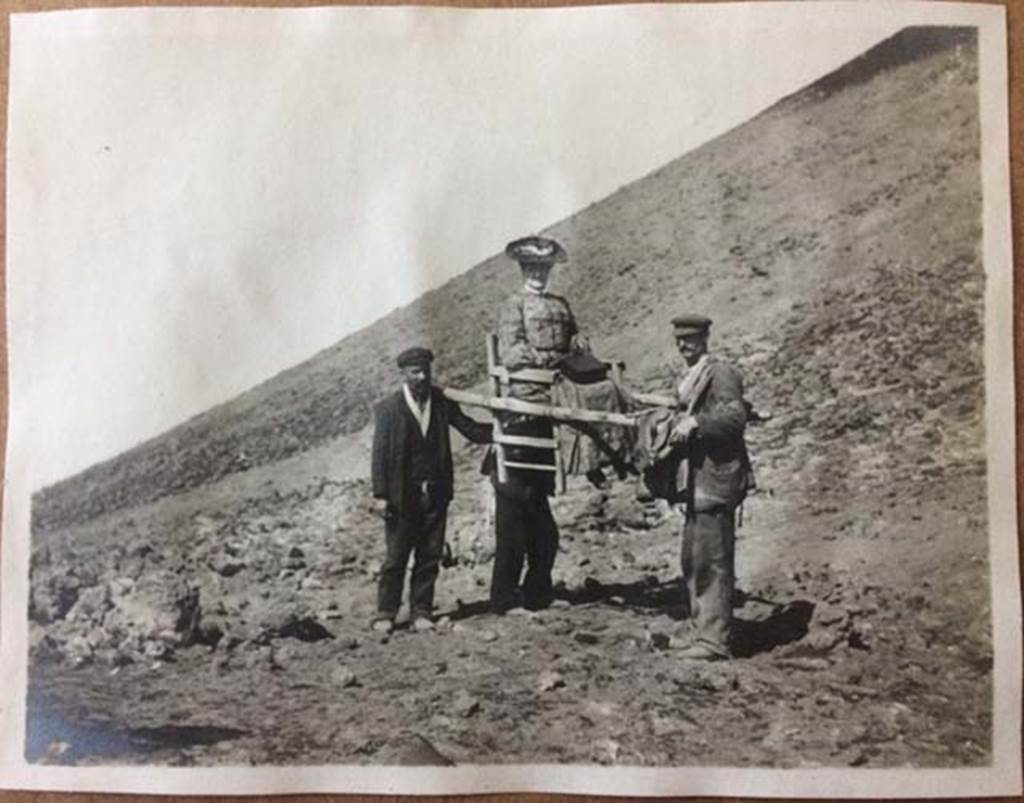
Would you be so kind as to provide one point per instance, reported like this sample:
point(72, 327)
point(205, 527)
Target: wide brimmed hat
point(535, 251)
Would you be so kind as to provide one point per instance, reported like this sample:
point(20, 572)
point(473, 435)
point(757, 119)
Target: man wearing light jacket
point(716, 477)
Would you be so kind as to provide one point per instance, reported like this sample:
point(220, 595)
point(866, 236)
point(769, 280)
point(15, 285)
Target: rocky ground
point(863, 636)
point(205, 598)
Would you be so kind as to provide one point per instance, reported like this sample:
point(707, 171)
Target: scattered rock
point(860, 637)
point(344, 678)
point(91, 605)
point(586, 638)
point(852, 692)
point(421, 752)
point(78, 651)
point(803, 664)
point(816, 643)
point(225, 565)
point(559, 627)
point(160, 612)
point(441, 722)
point(210, 634)
point(156, 649)
point(598, 709)
point(714, 678)
point(826, 615)
point(549, 680)
point(305, 628)
point(860, 759)
point(487, 635)
point(605, 751)
point(465, 705)
point(121, 586)
point(51, 599)
point(664, 726)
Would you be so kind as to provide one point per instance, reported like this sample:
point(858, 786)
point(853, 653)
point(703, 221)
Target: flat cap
point(690, 323)
point(417, 355)
point(535, 251)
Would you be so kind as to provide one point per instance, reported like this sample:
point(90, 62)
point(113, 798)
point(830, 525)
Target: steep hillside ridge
point(846, 215)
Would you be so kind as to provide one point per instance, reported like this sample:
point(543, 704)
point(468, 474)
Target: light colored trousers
point(708, 562)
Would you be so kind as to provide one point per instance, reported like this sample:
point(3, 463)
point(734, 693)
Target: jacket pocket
point(721, 483)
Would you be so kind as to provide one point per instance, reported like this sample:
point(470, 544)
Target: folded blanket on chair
point(580, 452)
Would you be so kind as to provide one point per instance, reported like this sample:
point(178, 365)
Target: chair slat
point(526, 440)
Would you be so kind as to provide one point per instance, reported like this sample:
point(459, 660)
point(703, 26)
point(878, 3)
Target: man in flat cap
point(709, 433)
point(536, 329)
point(413, 483)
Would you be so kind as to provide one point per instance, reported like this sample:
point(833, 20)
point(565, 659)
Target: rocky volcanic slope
point(869, 177)
point(837, 239)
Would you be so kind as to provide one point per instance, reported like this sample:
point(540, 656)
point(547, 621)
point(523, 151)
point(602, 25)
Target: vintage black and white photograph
point(622, 390)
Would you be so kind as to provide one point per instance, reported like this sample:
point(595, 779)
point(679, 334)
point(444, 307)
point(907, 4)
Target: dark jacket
point(719, 467)
point(394, 429)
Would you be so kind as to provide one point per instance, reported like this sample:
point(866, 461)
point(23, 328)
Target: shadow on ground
point(786, 624)
point(53, 737)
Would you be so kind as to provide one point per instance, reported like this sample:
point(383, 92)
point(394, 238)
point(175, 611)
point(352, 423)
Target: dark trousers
point(708, 562)
point(418, 532)
point(524, 531)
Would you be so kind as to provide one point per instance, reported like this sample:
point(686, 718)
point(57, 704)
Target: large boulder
point(160, 606)
point(126, 620)
point(53, 596)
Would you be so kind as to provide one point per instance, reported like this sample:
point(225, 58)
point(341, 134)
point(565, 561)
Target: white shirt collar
point(422, 416)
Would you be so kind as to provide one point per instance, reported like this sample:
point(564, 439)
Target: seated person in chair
point(535, 330)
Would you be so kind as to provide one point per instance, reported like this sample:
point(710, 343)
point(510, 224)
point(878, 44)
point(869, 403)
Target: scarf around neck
point(692, 385)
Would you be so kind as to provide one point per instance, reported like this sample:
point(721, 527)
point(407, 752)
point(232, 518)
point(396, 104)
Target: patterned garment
point(535, 331)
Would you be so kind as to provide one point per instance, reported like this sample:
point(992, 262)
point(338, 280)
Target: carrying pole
point(568, 414)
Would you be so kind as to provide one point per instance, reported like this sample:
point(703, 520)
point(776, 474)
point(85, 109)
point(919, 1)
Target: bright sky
point(199, 199)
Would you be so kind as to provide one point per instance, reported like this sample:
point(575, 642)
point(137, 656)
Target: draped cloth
point(586, 447)
point(660, 460)
point(693, 383)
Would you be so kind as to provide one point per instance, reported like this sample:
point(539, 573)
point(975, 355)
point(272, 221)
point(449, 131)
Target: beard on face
point(418, 382)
